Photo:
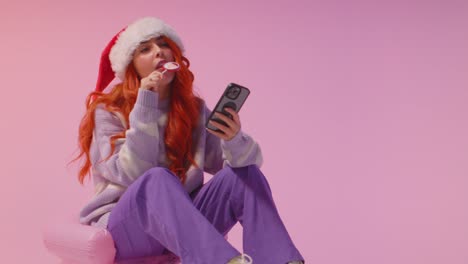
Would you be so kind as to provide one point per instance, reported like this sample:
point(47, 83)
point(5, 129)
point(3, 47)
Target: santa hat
point(119, 52)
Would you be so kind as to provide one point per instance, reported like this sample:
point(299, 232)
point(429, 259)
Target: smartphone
point(233, 97)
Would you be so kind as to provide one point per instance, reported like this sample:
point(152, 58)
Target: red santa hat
point(119, 51)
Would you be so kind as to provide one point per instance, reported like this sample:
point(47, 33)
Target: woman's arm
point(138, 151)
point(240, 151)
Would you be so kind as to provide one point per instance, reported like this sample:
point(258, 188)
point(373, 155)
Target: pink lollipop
point(171, 66)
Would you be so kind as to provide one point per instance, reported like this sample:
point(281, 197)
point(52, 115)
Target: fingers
point(234, 114)
point(218, 134)
point(226, 119)
point(152, 81)
point(231, 128)
point(225, 129)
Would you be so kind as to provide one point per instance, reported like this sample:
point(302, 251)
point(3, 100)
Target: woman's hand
point(232, 128)
point(152, 81)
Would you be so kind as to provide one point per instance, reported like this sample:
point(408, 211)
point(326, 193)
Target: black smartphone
point(233, 97)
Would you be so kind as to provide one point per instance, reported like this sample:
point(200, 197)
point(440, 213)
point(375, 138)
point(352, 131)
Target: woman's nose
point(157, 51)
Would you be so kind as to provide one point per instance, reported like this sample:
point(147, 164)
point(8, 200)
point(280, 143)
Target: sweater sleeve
point(240, 151)
point(138, 151)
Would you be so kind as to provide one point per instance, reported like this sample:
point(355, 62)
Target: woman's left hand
point(232, 128)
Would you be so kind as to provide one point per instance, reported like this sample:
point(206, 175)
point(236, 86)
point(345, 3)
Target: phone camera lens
point(233, 92)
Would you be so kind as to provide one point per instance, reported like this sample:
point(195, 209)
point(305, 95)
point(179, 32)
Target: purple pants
point(156, 214)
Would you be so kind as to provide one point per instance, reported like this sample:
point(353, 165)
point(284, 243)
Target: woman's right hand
point(152, 81)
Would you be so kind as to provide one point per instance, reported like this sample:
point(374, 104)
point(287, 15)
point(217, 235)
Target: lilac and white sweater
point(143, 148)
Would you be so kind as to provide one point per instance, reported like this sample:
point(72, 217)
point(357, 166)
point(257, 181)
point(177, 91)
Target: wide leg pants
point(156, 214)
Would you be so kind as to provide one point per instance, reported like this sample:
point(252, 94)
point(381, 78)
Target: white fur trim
point(137, 32)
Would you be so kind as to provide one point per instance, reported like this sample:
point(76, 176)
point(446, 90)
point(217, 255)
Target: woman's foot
point(242, 259)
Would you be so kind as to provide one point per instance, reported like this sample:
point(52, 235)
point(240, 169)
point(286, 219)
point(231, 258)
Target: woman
point(145, 145)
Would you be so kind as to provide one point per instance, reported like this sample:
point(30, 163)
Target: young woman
point(145, 144)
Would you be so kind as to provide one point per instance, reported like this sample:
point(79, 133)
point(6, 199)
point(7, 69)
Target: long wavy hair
point(182, 120)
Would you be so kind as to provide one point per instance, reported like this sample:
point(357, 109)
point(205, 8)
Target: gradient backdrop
point(360, 108)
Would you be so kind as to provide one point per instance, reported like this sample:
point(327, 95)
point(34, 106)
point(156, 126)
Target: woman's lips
point(160, 64)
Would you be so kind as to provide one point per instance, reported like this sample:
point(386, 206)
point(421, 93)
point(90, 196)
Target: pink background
point(360, 108)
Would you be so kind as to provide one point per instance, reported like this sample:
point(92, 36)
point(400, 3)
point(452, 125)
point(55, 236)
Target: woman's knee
point(247, 170)
point(251, 172)
point(158, 171)
point(156, 176)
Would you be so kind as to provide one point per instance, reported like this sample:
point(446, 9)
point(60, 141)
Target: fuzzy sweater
point(143, 148)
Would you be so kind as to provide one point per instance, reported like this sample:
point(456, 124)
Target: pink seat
point(75, 243)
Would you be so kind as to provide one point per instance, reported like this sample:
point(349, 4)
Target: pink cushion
point(76, 243)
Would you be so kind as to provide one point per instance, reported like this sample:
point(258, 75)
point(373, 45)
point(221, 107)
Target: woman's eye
point(144, 49)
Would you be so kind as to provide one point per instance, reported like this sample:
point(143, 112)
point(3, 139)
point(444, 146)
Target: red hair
point(183, 116)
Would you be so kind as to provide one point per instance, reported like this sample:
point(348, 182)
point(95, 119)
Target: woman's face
point(150, 56)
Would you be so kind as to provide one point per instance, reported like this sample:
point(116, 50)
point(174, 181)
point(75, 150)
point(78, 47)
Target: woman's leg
point(244, 194)
point(156, 213)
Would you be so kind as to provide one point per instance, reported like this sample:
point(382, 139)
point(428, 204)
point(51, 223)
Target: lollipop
point(171, 66)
